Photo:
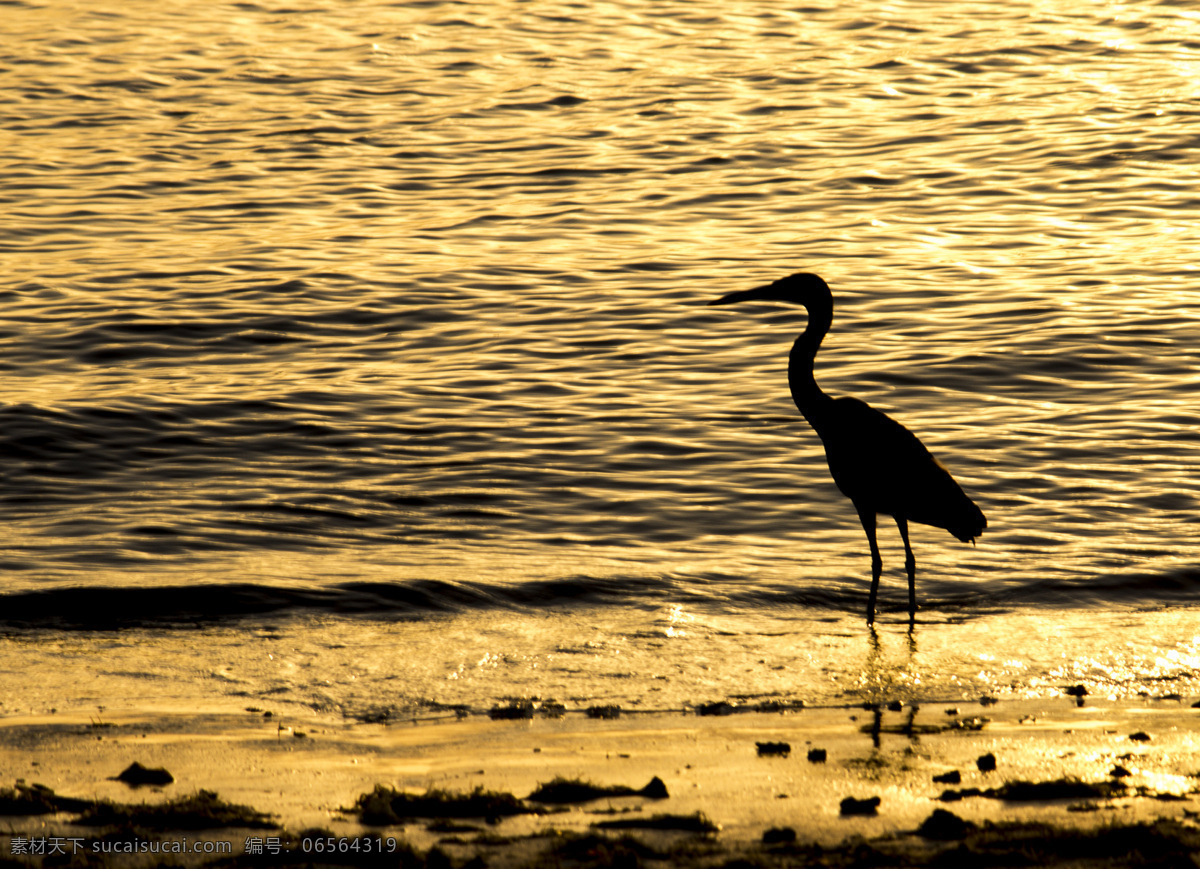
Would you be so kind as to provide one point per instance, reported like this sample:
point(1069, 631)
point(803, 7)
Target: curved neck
point(805, 392)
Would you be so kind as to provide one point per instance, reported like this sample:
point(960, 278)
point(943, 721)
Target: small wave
point(177, 606)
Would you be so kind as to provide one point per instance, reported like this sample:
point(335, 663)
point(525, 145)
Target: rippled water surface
point(401, 307)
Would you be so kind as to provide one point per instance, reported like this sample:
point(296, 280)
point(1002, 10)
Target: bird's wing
point(882, 466)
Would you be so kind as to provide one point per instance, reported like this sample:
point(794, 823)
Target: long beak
point(743, 296)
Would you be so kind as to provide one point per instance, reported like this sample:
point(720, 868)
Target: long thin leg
point(910, 567)
point(867, 517)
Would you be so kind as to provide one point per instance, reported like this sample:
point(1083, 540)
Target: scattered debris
point(452, 827)
point(378, 715)
point(975, 722)
point(595, 850)
point(778, 706)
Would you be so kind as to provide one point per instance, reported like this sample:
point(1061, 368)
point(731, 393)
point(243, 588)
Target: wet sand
point(1093, 767)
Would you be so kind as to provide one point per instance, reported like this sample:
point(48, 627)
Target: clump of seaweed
point(603, 712)
point(593, 850)
point(1026, 791)
point(385, 805)
point(203, 810)
point(694, 823)
point(563, 790)
point(37, 799)
point(717, 707)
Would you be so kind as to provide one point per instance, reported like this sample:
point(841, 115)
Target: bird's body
point(875, 461)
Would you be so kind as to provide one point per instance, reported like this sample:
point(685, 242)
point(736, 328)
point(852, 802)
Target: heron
point(875, 461)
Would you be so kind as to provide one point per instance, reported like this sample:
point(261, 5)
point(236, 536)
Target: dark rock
point(719, 707)
point(136, 775)
point(852, 806)
point(605, 712)
point(516, 710)
point(944, 825)
point(779, 836)
point(986, 762)
point(773, 749)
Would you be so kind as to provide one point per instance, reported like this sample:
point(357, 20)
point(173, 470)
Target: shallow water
point(342, 308)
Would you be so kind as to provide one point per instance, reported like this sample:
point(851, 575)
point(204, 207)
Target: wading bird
point(876, 462)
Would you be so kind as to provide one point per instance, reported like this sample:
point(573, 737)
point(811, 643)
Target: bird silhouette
point(875, 461)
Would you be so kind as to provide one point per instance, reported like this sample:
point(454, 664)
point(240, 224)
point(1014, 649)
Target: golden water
point(299, 297)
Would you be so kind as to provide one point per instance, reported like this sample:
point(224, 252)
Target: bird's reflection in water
point(889, 677)
point(888, 682)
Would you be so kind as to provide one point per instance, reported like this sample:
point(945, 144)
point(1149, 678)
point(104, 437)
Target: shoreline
point(308, 772)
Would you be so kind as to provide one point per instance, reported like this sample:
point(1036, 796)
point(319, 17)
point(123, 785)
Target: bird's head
point(799, 289)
